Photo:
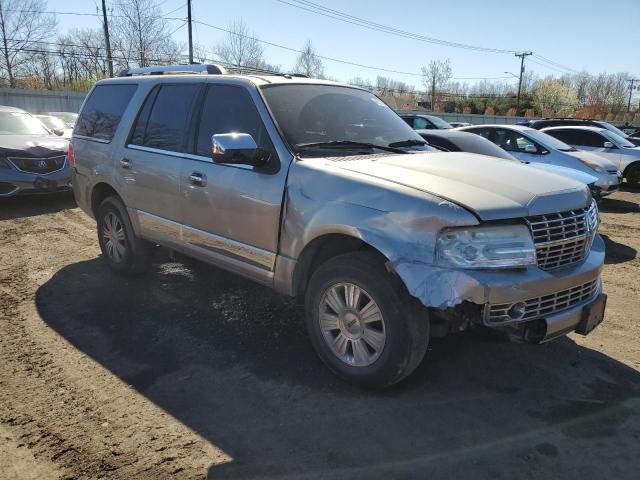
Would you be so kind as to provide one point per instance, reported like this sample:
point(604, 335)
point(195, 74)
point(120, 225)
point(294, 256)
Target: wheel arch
point(99, 192)
point(323, 248)
point(633, 164)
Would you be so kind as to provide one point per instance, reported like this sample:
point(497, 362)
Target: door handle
point(125, 163)
point(198, 179)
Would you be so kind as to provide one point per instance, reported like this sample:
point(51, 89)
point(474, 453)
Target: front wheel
point(633, 176)
point(362, 323)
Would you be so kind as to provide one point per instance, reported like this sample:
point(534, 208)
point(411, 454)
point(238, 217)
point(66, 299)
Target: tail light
point(71, 160)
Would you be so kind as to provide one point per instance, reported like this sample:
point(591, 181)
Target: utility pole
point(190, 37)
point(521, 55)
point(631, 82)
point(107, 42)
point(433, 93)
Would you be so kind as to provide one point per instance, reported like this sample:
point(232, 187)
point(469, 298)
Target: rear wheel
point(362, 323)
point(125, 253)
point(633, 176)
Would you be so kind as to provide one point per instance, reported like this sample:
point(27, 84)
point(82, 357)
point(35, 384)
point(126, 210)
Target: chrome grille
point(42, 165)
point(563, 238)
point(541, 307)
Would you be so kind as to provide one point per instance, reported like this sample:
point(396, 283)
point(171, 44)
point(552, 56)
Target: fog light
point(517, 311)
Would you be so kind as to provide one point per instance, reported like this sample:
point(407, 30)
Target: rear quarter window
point(103, 111)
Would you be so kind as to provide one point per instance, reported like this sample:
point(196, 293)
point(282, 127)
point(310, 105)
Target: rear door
point(150, 166)
point(231, 213)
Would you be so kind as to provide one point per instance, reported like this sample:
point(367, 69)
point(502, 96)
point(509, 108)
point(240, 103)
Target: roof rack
point(202, 68)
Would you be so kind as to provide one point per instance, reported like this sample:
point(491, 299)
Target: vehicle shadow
point(615, 205)
point(616, 252)
point(231, 360)
point(31, 206)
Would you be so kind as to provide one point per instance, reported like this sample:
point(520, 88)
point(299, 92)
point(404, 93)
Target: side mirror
point(58, 131)
point(237, 148)
point(608, 145)
point(530, 149)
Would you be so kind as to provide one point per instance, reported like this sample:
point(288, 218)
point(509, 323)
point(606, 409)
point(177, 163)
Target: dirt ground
point(191, 373)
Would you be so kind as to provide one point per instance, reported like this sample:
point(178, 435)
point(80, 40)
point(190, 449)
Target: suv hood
point(491, 188)
point(36, 145)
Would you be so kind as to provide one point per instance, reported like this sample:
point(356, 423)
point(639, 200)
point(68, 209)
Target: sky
point(589, 35)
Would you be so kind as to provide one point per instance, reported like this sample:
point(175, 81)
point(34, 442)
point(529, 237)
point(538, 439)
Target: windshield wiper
point(408, 143)
point(348, 144)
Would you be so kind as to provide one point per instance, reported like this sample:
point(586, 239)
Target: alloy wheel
point(352, 324)
point(114, 238)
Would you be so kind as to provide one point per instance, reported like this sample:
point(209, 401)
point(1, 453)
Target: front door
point(231, 213)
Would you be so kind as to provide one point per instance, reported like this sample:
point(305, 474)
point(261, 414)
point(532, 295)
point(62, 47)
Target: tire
point(125, 253)
point(399, 339)
point(633, 176)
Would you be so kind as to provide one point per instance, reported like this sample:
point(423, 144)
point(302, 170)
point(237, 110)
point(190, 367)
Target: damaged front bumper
point(534, 304)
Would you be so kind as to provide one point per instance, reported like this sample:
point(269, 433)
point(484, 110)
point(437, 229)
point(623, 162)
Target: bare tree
point(309, 63)
point(435, 76)
point(141, 36)
point(23, 25)
point(240, 47)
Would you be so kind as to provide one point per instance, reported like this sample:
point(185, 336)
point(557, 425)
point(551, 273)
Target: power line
point(351, 19)
point(331, 59)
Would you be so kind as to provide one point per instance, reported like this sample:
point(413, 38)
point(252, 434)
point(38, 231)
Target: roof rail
point(209, 69)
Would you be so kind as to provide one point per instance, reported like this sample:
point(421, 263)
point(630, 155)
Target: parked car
point(457, 141)
point(55, 125)
point(578, 122)
point(605, 143)
point(459, 124)
point(69, 118)
point(319, 189)
point(534, 146)
point(32, 159)
point(424, 122)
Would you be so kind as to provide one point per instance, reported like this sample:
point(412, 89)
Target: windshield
point(614, 129)
point(51, 122)
point(618, 139)
point(68, 118)
point(470, 142)
point(438, 122)
point(19, 123)
point(549, 141)
point(311, 114)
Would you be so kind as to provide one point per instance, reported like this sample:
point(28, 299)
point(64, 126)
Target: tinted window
point(168, 119)
point(408, 120)
point(229, 109)
point(103, 110)
point(511, 141)
point(420, 123)
point(583, 138)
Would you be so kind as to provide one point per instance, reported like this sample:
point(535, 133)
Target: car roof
point(257, 80)
point(425, 115)
point(444, 133)
point(520, 128)
point(575, 127)
point(5, 108)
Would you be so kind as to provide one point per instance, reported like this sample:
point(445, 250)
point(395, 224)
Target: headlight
point(593, 166)
point(487, 246)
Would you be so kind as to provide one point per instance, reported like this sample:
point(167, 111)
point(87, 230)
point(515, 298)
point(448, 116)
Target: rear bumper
point(14, 182)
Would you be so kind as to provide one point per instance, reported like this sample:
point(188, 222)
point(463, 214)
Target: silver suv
point(318, 189)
